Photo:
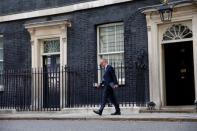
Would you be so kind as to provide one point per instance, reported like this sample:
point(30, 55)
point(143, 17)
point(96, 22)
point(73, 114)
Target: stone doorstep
point(178, 109)
point(167, 111)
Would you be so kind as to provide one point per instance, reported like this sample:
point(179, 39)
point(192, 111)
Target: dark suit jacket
point(109, 77)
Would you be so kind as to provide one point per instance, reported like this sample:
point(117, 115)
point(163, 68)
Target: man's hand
point(98, 86)
point(116, 86)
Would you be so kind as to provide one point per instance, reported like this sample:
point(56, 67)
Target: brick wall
point(82, 43)
point(14, 6)
point(17, 47)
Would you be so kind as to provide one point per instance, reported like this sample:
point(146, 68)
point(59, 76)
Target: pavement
point(94, 125)
point(78, 114)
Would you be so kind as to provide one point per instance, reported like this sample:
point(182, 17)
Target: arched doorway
point(177, 46)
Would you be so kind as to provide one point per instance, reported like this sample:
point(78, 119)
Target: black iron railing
point(51, 89)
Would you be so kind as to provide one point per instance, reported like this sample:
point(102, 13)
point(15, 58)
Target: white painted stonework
point(185, 14)
point(40, 32)
point(60, 10)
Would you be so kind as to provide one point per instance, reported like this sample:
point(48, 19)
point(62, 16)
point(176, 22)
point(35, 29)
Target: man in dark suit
point(109, 82)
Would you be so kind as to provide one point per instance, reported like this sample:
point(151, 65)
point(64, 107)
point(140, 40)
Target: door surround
point(182, 14)
point(39, 32)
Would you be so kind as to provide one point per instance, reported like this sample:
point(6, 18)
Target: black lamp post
point(165, 11)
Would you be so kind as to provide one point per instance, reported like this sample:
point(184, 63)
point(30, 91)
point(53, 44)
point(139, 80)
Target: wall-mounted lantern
point(165, 11)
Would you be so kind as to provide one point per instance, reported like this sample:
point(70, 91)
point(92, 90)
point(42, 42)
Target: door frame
point(183, 13)
point(40, 31)
point(162, 29)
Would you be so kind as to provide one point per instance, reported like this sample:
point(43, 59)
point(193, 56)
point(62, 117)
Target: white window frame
point(121, 81)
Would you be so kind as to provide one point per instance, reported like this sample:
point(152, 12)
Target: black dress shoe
point(116, 113)
point(97, 112)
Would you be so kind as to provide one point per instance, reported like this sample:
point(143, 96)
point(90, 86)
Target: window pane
point(107, 39)
point(114, 59)
point(103, 44)
point(119, 38)
point(51, 46)
point(177, 31)
point(1, 54)
point(1, 65)
point(1, 42)
point(111, 39)
point(103, 31)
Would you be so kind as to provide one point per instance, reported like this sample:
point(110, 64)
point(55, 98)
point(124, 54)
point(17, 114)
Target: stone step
point(170, 110)
point(85, 110)
point(7, 111)
point(107, 110)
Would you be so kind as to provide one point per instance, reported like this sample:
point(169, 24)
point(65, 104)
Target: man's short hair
point(104, 60)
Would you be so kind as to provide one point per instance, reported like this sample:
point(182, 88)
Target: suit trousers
point(108, 94)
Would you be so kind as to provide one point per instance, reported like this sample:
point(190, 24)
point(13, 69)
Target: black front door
point(51, 84)
point(179, 72)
